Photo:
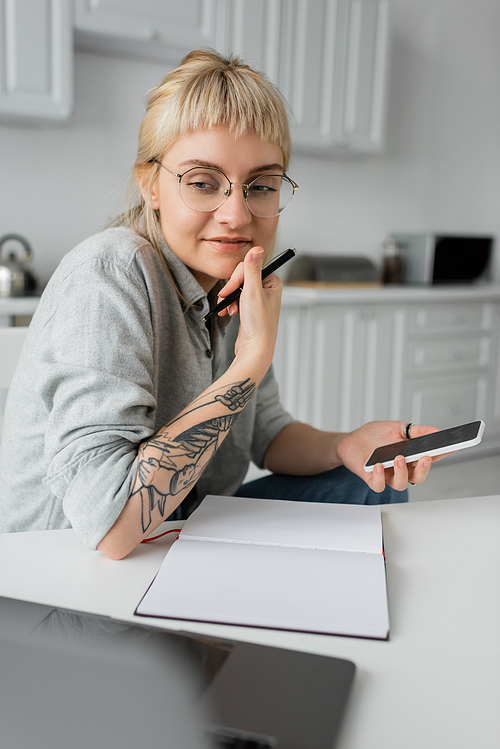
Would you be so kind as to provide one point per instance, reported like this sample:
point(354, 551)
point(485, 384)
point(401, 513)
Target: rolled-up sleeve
point(96, 380)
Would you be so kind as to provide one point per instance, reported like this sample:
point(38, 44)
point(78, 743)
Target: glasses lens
point(269, 195)
point(203, 189)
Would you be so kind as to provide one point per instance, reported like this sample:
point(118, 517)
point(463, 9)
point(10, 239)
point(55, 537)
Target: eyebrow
point(211, 165)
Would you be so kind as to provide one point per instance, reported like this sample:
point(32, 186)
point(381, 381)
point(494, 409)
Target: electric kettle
point(15, 278)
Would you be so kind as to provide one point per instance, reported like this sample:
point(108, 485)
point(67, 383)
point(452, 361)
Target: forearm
point(301, 450)
point(172, 460)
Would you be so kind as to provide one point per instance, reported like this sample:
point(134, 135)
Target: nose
point(234, 211)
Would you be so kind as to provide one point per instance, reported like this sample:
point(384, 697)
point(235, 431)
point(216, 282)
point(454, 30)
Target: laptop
point(73, 679)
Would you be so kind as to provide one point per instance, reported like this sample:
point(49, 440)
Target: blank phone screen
point(445, 438)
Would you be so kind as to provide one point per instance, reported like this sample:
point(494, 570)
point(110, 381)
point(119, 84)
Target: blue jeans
point(339, 486)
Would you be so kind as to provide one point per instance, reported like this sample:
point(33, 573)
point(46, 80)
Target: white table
point(435, 684)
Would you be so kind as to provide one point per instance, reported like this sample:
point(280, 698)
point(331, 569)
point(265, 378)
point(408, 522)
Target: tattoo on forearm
point(178, 462)
point(235, 398)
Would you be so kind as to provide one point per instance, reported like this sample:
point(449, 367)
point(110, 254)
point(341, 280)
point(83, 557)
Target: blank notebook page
point(310, 524)
point(287, 565)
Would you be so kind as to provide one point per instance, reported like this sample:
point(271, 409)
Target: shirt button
point(208, 353)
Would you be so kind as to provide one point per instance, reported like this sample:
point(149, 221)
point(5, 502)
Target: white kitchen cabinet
point(333, 71)
point(349, 354)
point(448, 366)
point(289, 362)
point(447, 401)
point(158, 29)
point(330, 60)
point(363, 113)
point(168, 29)
point(338, 366)
point(423, 355)
point(252, 29)
point(328, 57)
point(36, 59)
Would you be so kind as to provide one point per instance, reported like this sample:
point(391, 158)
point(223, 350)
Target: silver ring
point(407, 430)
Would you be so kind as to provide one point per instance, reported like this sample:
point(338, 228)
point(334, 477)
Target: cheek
point(177, 220)
point(267, 232)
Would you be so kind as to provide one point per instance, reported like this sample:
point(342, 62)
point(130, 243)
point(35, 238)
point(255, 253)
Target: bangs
point(243, 103)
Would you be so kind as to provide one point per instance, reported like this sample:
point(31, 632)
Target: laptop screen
point(74, 679)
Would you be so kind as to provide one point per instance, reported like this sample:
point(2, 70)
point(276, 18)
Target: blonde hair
point(205, 91)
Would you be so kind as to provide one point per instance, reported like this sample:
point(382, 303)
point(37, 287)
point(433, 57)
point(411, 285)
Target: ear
point(150, 193)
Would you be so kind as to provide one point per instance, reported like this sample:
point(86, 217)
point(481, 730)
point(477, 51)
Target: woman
point(126, 406)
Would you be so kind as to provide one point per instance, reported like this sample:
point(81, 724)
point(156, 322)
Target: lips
point(228, 244)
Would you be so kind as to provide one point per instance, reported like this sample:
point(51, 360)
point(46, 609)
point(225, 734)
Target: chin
point(224, 267)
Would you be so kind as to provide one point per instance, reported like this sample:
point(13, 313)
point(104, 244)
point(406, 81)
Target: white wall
point(440, 171)
point(60, 184)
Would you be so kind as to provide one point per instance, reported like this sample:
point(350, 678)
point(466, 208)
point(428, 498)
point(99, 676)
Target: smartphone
point(437, 443)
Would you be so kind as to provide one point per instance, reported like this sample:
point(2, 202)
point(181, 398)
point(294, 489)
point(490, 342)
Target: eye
point(265, 187)
point(202, 181)
point(261, 189)
point(202, 186)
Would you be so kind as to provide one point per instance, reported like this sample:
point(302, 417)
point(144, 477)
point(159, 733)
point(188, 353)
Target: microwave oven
point(429, 259)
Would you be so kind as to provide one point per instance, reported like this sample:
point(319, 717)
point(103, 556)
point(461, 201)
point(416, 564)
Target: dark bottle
point(391, 264)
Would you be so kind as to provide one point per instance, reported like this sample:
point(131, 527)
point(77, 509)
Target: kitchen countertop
point(294, 296)
point(305, 296)
point(18, 305)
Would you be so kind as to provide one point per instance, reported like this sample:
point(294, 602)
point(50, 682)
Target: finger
point(272, 282)
point(252, 295)
point(235, 282)
point(377, 482)
point(252, 283)
point(418, 430)
point(249, 270)
point(419, 471)
point(231, 310)
point(399, 481)
point(436, 458)
point(238, 275)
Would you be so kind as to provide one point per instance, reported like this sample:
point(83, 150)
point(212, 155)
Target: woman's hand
point(259, 307)
point(355, 449)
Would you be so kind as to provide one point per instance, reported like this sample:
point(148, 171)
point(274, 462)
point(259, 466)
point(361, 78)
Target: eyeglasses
point(205, 189)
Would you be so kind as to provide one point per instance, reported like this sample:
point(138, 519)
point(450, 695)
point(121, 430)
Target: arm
point(300, 449)
point(171, 461)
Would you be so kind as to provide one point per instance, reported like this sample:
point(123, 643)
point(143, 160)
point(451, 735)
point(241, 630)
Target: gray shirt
point(112, 354)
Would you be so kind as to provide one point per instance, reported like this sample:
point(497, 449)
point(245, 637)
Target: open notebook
point(299, 566)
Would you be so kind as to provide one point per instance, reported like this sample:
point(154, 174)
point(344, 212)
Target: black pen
point(276, 263)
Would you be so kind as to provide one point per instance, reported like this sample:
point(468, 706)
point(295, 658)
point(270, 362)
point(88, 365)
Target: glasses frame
point(228, 192)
